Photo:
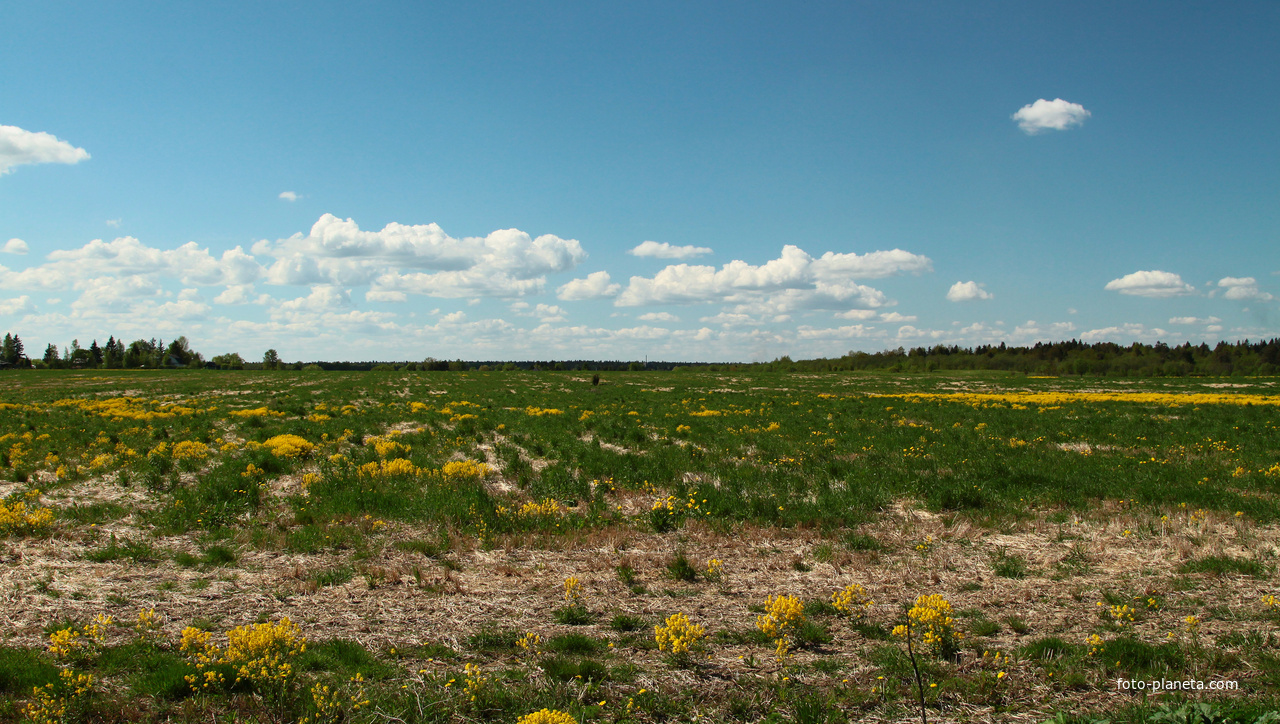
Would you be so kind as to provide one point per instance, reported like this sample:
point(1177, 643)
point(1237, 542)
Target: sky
point(674, 181)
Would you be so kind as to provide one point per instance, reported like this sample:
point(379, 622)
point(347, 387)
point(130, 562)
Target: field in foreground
point(479, 546)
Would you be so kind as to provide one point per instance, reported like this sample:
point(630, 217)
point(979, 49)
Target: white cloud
point(667, 251)
point(829, 275)
point(18, 147)
point(505, 263)
point(658, 317)
point(545, 313)
point(1194, 320)
point(1243, 288)
point(1054, 115)
point(594, 286)
point(184, 309)
point(15, 246)
point(895, 318)
point(235, 294)
point(115, 223)
point(853, 331)
point(1154, 283)
point(384, 296)
point(323, 297)
point(188, 263)
point(873, 265)
point(908, 332)
point(17, 305)
point(967, 292)
point(729, 319)
point(1123, 333)
point(289, 196)
point(857, 314)
point(114, 293)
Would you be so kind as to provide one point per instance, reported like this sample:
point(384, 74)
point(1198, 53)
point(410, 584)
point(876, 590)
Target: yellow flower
point(678, 634)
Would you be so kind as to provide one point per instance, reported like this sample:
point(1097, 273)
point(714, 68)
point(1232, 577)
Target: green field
point(416, 527)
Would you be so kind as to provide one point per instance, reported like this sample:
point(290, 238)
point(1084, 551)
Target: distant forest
point(1101, 359)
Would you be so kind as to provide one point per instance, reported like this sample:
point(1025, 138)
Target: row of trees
point(1071, 357)
point(142, 353)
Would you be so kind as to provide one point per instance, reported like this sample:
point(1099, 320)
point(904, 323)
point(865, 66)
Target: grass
point(680, 569)
point(801, 484)
point(1008, 565)
point(133, 549)
point(1224, 565)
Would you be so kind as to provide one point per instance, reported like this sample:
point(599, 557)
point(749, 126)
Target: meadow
point(546, 547)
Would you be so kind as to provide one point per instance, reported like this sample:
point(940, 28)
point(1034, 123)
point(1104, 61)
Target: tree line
point(1071, 357)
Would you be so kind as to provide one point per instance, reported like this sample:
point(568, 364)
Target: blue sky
point(480, 180)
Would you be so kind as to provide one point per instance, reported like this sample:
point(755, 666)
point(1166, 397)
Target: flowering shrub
point(930, 619)
point(852, 601)
point(190, 450)
point(547, 716)
point(547, 507)
point(573, 596)
point(782, 619)
point(259, 654)
point(336, 704)
point(288, 446)
point(23, 517)
point(464, 470)
point(678, 635)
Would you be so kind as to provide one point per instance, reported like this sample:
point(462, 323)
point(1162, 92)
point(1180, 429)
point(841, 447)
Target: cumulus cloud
point(1243, 288)
point(595, 286)
point(235, 294)
point(857, 314)
point(1154, 283)
point(895, 318)
point(505, 263)
point(17, 305)
point(853, 331)
point(658, 317)
point(1054, 115)
point(188, 263)
point(1123, 333)
point(664, 250)
point(384, 296)
point(545, 313)
point(289, 196)
point(967, 292)
point(1194, 320)
point(114, 223)
point(18, 147)
point(15, 246)
point(830, 275)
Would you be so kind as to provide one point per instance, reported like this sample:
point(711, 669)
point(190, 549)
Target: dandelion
point(1121, 615)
